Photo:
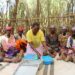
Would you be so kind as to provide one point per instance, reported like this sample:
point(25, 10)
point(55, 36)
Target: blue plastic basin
point(31, 57)
point(47, 60)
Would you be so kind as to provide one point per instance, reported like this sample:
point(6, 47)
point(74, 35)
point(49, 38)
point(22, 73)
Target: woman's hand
point(39, 55)
point(31, 45)
point(16, 59)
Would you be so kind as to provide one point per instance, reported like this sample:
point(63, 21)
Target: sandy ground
point(58, 68)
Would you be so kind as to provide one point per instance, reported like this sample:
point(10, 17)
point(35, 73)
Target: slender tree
point(38, 10)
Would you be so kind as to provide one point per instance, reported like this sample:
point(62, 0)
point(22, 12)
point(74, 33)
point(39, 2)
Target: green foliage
point(27, 9)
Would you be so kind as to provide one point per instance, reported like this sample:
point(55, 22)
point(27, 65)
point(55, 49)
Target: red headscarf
point(8, 28)
point(20, 28)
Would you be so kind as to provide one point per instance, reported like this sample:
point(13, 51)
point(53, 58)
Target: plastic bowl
point(31, 57)
point(47, 60)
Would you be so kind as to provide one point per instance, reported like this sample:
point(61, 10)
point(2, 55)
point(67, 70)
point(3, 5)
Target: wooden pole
point(48, 8)
point(38, 10)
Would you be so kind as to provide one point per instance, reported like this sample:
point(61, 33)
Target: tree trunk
point(15, 12)
point(72, 6)
point(48, 8)
point(38, 10)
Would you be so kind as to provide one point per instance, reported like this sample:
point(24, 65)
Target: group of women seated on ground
point(14, 46)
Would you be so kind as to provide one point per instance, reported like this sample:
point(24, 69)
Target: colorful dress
point(71, 46)
point(8, 45)
point(63, 40)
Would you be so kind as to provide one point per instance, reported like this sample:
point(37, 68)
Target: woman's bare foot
point(60, 58)
point(73, 57)
point(67, 58)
